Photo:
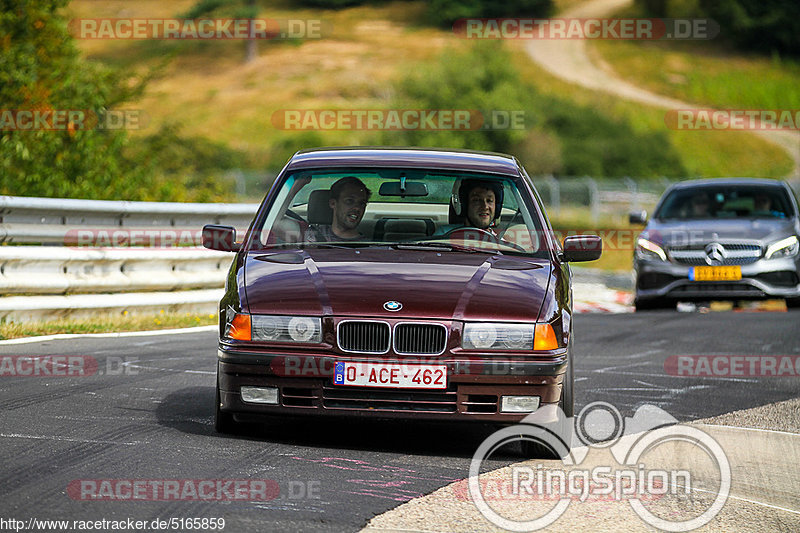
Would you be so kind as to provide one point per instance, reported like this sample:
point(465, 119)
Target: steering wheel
point(481, 236)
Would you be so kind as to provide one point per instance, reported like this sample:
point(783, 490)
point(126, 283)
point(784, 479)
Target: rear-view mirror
point(403, 188)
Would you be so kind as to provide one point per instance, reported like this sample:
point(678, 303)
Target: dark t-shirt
point(324, 233)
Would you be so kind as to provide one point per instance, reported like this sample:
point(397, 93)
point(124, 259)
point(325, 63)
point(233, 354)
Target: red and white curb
point(597, 298)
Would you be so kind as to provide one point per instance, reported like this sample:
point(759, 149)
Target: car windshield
point(402, 208)
point(725, 202)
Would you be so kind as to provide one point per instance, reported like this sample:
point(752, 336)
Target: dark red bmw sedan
point(381, 282)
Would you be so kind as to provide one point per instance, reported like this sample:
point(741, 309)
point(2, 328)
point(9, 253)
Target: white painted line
point(746, 429)
point(66, 439)
point(60, 336)
point(734, 497)
point(140, 367)
point(762, 504)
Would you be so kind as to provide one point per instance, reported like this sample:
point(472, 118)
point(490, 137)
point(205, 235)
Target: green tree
point(557, 136)
point(238, 9)
point(40, 69)
point(446, 12)
point(482, 79)
point(764, 26)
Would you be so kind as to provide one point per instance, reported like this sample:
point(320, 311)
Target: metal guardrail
point(98, 256)
point(90, 248)
point(50, 270)
point(52, 220)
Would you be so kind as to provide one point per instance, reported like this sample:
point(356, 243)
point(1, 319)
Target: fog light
point(519, 404)
point(260, 395)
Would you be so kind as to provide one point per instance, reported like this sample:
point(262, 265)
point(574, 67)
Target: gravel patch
point(780, 416)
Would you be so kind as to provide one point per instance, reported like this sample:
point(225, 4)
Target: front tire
point(535, 449)
point(656, 303)
point(223, 422)
point(792, 303)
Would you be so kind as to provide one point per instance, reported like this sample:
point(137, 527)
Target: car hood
point(428, 284)
point(685, 232)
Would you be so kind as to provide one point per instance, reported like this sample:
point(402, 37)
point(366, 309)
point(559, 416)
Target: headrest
point(397, 225)
point(319, 209)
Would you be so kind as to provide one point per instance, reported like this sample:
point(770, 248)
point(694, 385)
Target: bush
point(183, 169)
point(759, 25)
point(763, 26)
point(445, 12)
point(596, 145)
point(558, 137)
point(481, 79)
point(40, 69)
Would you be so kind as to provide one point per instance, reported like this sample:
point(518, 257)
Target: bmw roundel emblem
point(392, 306)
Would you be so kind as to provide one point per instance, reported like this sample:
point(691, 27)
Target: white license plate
point(390, 375)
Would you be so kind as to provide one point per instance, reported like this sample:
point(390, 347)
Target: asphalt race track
point(146, 414)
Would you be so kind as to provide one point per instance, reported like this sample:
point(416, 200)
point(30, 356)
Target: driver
point(481, 200)
point(348, 201)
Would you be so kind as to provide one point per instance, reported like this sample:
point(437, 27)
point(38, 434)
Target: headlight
point(649, 250)
point(783, 248)
point(281, 328)
point(486, 336)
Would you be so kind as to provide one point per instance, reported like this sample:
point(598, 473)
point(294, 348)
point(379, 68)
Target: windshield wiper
point(448, 246)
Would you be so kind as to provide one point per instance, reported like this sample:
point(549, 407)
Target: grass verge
point(703, 153)
point(210, 92)
point(705, 74)
point(106, 324)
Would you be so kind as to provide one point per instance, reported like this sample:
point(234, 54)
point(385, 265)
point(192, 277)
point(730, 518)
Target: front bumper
point(305, 386)
point(774, 278)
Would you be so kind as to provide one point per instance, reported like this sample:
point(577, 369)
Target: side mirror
point(582, 248)
point(637, 217)
point(222, 238)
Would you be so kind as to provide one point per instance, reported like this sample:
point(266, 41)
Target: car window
point(398, 207)
point(727, 202)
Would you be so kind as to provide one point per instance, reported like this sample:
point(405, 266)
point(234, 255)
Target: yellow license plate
point(716, 273)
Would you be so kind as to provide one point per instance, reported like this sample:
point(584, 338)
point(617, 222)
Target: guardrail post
point(634, 190)
point(594, 198)
point(555, 193)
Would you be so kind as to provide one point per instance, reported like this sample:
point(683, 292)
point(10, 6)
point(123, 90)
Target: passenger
point(762, 203)
point(348, 201)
